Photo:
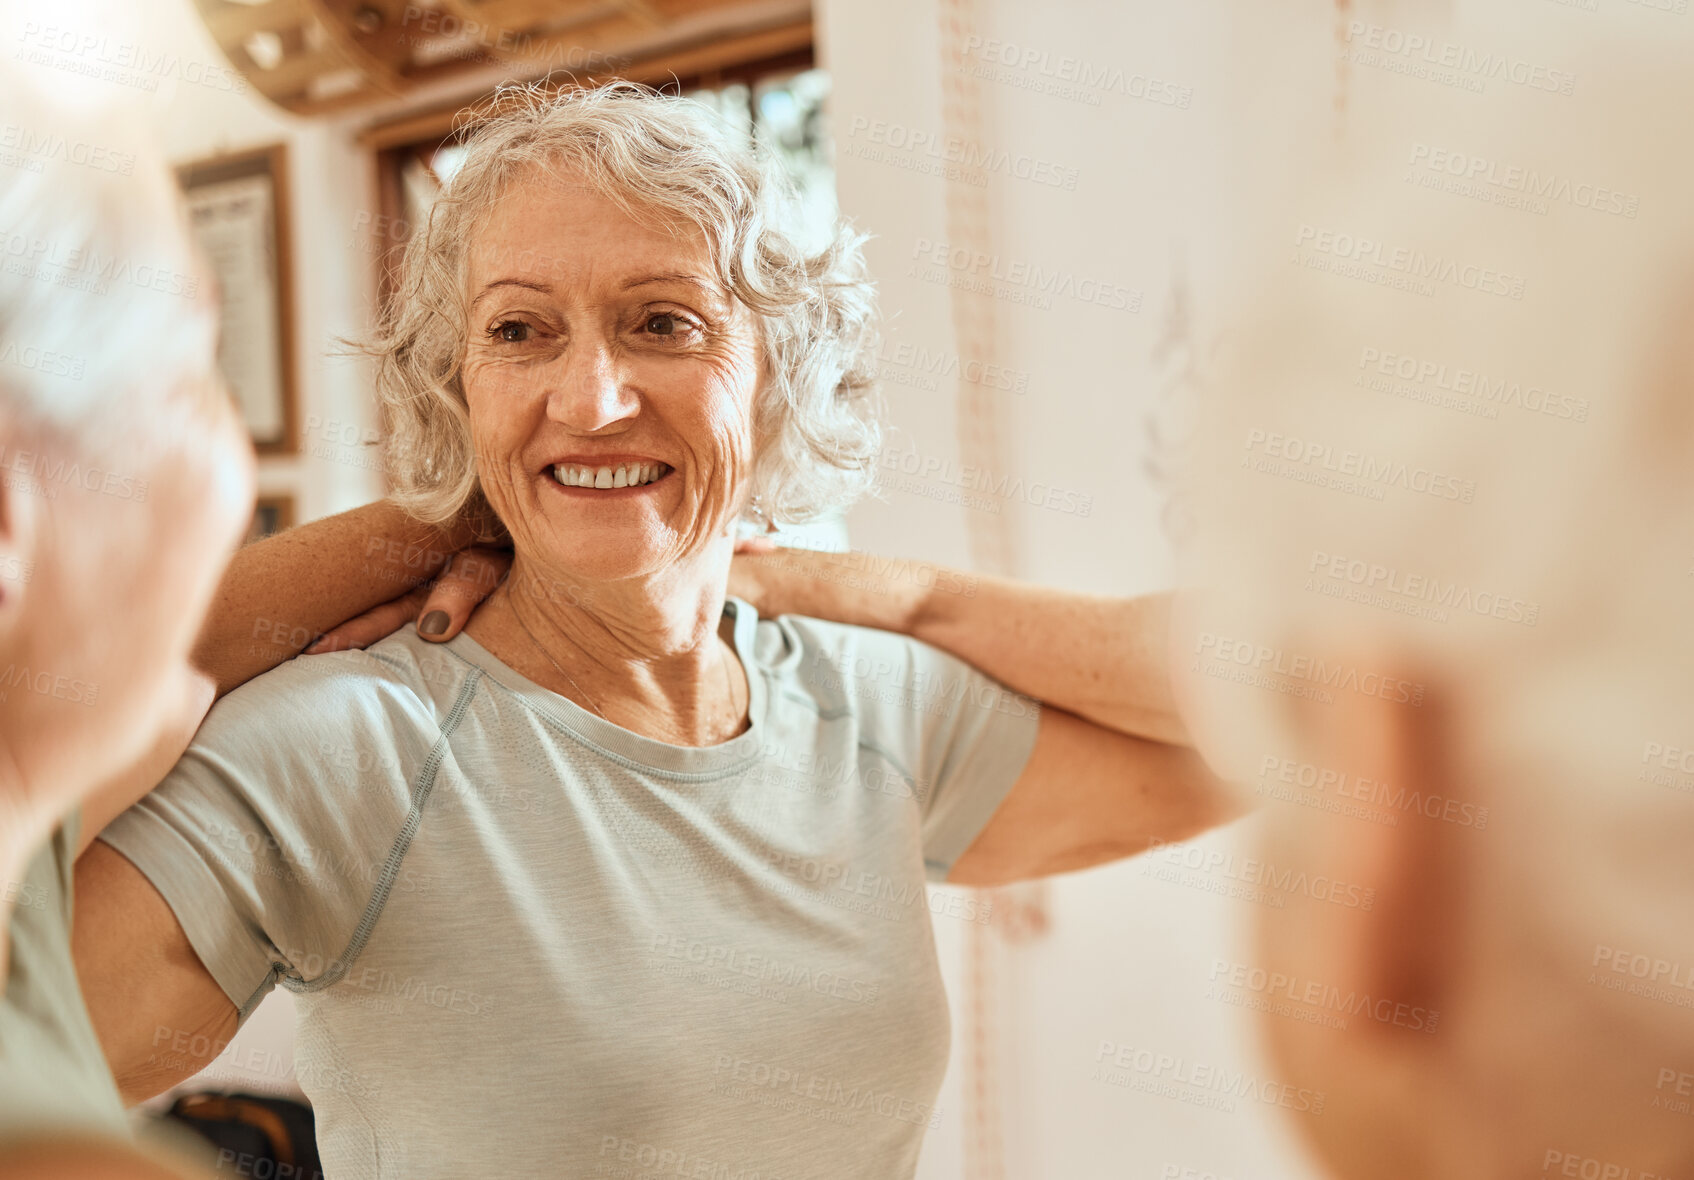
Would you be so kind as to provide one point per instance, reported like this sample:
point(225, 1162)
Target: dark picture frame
point(272, 514)
point(238, 210)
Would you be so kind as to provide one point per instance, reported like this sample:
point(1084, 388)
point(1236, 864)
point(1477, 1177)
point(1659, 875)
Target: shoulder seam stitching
point(422, 786)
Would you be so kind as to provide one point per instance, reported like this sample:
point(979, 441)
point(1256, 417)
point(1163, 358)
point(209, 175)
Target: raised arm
point(1103, 659)
point(281, 594)
point(1111, 773)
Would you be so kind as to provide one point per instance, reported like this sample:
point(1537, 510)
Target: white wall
point(1126, 956)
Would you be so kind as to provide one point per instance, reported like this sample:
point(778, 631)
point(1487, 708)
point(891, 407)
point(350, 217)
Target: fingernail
point(434, 623)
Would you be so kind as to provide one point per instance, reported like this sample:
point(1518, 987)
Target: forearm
point(282, 593)
point(1104, 659)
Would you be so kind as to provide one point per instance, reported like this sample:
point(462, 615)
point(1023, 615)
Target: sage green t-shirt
point(53, 1074)
point(526, 942)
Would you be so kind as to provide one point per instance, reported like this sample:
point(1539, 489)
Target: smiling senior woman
point(625, 879)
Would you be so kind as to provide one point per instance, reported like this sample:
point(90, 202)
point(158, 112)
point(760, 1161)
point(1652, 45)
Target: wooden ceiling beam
point(441, 121)
point(393, 46)
point(517, 16)
point(231, 24)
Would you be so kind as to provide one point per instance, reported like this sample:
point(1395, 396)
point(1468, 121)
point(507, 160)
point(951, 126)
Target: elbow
point(986, 873)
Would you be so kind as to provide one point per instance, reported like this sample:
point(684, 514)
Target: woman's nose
point(590, 391)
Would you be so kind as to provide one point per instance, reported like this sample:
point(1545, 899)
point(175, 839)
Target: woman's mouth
point(622, 475)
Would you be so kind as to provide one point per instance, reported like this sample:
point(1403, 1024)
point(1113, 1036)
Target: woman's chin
point(570, 569)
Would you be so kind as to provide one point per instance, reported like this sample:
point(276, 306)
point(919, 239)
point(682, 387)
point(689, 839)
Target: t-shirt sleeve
point(270, 836)
point(962, 737)
point(978, 738)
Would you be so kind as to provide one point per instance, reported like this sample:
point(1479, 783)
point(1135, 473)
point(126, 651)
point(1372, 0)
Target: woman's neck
point(654, 656)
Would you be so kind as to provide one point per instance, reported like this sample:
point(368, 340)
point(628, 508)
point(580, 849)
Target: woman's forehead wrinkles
point(548, 231)
point(499, 263)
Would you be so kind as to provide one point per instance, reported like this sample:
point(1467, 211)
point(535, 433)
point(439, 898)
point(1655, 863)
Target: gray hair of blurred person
point(674, 162)
point(98, 285)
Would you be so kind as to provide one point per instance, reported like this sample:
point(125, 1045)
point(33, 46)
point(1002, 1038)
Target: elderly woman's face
point(610, 383)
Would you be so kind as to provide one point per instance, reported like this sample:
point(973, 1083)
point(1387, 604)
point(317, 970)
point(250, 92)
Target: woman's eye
point(511, 331)
point(670, 323)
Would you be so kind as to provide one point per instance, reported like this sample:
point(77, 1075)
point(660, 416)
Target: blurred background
point(1047, 186)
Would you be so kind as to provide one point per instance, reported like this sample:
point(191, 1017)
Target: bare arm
point(1089, 795)
point(160, 1015)
point(281, 594)
point(1111, 773)
point(1103, 659)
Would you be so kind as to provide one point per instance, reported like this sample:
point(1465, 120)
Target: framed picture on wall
point(238, 210)
point(271, 515)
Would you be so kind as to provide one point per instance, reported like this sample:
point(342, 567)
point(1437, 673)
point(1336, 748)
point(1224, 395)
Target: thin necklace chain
point(723, 663)
point(580, 691)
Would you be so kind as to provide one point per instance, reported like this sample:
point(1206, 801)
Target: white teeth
point(627, 475)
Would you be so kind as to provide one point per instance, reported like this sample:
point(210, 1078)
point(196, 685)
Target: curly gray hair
point(674, 159)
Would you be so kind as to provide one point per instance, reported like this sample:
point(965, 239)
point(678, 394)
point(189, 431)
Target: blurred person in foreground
point(1443, 513)
point(125, 482)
